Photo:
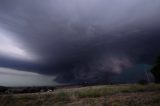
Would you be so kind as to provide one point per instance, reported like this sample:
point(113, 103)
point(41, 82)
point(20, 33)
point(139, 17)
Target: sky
point(50, 42)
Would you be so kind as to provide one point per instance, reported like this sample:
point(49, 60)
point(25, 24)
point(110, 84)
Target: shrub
point(62, 96)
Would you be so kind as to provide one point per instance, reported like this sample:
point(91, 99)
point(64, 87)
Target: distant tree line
point(10, 90)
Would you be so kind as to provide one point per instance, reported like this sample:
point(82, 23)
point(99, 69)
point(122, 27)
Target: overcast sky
point(70, 41)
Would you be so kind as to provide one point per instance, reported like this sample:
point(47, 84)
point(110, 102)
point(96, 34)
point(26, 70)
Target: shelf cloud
point(78, 40)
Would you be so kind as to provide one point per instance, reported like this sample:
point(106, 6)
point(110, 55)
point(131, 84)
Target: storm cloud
point(78, 40)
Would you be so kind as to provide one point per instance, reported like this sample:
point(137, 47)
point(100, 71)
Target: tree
point(156, 70)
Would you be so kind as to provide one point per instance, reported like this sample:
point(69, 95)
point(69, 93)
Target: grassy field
point(107, 95)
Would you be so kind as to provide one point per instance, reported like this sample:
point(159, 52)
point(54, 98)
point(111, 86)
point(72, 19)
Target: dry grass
point(128, 99)
point(109, 95)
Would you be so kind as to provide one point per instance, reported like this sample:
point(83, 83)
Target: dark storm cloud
point(82, 40)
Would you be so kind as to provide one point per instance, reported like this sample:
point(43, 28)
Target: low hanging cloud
point(11, 77)
point(78, 40)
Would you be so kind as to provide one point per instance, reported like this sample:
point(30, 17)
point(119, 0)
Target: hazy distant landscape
point(104, 95)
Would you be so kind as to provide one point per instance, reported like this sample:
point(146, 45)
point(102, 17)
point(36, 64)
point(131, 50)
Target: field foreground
point(107, 95)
